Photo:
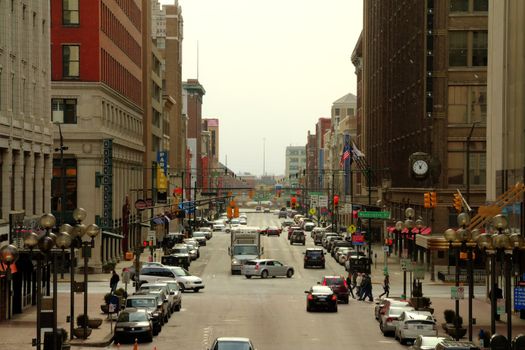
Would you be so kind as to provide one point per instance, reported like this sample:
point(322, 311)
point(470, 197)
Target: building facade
point(98, 98)
point(26, 136)
point(193, 105)
point(295, 159)
point(506, 104)
point(424, 90)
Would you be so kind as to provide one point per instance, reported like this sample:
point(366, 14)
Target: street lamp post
point(402, 242)
point(8, 256)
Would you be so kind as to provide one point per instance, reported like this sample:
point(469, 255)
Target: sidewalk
point(480, 304)
point(18, 332)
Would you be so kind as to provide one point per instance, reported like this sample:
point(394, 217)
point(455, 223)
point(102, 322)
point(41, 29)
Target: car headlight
point(236, 262)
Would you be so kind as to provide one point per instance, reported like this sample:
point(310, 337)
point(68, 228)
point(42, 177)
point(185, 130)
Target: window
point(70, 166)
point(458, 49)
point(457, 163)
point(467, 104)
point(64, 110)
point(336, 112)
point(459, 5)
point(71, 61)
point(70, 15)
point(479, 48)
point(481, 5)
point(350, 111)
point(468, 49)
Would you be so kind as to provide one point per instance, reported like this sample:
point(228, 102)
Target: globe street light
point(8, 256)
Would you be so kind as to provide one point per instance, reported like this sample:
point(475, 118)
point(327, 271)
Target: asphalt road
point(272, 311)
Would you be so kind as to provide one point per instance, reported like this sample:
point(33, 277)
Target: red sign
point(358, 238)
point(140, 204)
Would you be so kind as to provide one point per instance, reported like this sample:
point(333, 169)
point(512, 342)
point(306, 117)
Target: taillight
point(391, 319)
point(334, 298)
point(346, 284)
point(324, 283)
point(310, 297)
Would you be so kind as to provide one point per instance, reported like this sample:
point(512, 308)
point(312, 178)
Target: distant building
point(295, 161)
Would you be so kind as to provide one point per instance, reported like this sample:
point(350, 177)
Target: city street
point(271, 312)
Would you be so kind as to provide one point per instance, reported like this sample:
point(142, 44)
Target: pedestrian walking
point(366, 288)
point(386, 287)
point(113, 282)
point(350, 285)
point(358, 282)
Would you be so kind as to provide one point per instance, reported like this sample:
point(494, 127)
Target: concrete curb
point(108, 339)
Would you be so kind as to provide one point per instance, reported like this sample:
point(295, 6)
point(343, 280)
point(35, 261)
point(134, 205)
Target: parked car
point(154, 273)
point(426, 343)
point(266, 210)
point(266, 268)
point(282, 214)
point(148, 303)
point(338, 285)
point(186, 280)
point(383, 305)
point(456, 345)
point(232, 343)
point(414, 323)
point(326, 235)
point(179, 257)
point(314, 257)
point(327, 242)
point(162, 307)
point(287, 223)
point(200, 237)
point(193, 248)
point(133, 323)
point(308, 226)
point(388, 320)
point(171, 289)
point(341, 243)
point(298, 236)
point(321, 297)
point(207, 231)
point(218, 225)
point(317, 230)
point(258, 208)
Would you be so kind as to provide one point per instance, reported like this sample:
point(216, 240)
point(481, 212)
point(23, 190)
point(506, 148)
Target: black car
point(314, 257)
point(321, 297)
point(148, 303)
point(282, 214)
point(133, 324)
point(298, 236)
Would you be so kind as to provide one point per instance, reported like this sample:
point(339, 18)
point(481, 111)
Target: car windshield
point(149, 302)
point(179, 251)
point(132, 317)
point(232, 345)
point(245, 250)
point(199, 234)
point(334, 281)
point(179, 271)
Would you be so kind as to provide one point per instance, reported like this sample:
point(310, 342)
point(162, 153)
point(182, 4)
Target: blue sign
point(162, 160)
point(519, 298)
point(187, 205)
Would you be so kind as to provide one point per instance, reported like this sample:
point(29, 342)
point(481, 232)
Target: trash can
point(49, 339)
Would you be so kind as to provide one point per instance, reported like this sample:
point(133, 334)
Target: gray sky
point(270, 69)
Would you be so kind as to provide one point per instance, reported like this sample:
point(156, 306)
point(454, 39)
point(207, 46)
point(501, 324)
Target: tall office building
point(26, 142)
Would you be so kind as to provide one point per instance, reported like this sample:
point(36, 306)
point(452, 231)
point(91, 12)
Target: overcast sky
point(270, 70)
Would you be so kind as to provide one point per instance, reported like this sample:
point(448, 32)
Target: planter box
point(79, 333)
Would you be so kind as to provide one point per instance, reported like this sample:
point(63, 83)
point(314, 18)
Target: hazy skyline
point(270, 70)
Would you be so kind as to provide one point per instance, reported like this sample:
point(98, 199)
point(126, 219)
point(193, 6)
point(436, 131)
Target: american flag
point(346, 154)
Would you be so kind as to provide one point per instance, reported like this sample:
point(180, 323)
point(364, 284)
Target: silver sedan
point(265, 268)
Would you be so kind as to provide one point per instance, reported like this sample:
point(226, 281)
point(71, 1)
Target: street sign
point(358, 239)
point(519, 298)
point(323, 201)
point(140, 204)
point(314, 201)
point(406, 264)
point(187, 205)
point(386, 248)
point(419, 271)
point(312, 211)
point(457, 293)
point(348, 208)
point(374, 214)
point(352, 228)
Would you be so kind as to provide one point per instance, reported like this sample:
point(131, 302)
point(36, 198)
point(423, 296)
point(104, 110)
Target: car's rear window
point(334, 281)
point(314, 253)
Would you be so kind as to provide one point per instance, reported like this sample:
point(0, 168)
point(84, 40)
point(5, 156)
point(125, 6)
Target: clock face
point(420, 167)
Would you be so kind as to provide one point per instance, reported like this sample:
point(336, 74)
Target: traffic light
point(433, 199)
point(336, 200)
point(427, 201)
point(458, 203)
point(294, 202)
point(145, 244)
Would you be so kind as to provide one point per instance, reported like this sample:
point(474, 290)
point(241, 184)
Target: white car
point(186, 280)
point(411, 324)
point(218, 225)
point(266, 268)
point(389, 319)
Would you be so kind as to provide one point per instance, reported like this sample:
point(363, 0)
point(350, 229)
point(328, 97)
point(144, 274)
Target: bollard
point(136, 345)
point(518, 343)
point(499, 342)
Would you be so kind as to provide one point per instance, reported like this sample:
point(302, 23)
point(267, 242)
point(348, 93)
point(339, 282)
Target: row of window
point(469, 5)
point(132, 11)
point(349, 111)
point(468, 48)
point(120, 79)
point(118, 34)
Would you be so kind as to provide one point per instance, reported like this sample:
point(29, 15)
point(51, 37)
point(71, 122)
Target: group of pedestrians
point(362, 283)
